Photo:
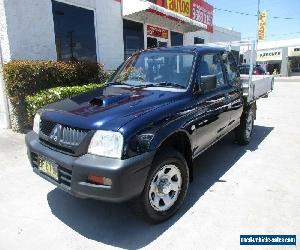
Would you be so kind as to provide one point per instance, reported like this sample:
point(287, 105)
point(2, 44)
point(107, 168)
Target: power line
point(272, 35)
point(286, 34)
point(248, 14)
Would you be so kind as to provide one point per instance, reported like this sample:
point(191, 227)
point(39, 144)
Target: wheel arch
point(181, 142)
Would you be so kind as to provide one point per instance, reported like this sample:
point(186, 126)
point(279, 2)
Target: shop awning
point(147, 12)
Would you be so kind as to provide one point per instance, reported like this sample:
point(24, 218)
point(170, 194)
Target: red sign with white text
point(203, 13)
point(157, 32)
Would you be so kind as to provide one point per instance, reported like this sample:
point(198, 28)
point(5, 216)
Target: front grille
point(34, 160)
point(61, 137)
point(57, 147)
point(46, 127)
point(64, 175)
point(72, 137)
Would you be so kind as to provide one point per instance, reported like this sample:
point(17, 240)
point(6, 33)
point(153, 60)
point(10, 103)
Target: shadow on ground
point(117, 225)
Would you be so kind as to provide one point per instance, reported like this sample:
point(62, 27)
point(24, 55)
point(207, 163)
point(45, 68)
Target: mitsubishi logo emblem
point(55, 133)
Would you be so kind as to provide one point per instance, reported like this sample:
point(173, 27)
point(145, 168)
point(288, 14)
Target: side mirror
point(206, 83)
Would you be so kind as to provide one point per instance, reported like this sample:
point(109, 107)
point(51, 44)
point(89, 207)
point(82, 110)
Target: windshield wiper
point(145, 85)
point(170, 84)
point(149, 85)
point(117, 83)
point(161, 84)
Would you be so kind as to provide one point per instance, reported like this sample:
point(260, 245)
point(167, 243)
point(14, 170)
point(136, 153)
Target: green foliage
point(28, 77)
point(24, 78)
point(42, 98)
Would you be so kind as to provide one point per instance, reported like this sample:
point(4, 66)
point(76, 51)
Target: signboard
point(203, 13)
point(157, 32)
point(262, 25)
point(269, 55)
point(294, 51)
point(197, 10)
point(182, 7)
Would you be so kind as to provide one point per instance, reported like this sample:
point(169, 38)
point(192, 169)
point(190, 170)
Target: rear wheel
point(165, 188)
point(243, 132)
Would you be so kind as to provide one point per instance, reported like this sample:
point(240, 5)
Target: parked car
point(257, 69)
point(136, 137)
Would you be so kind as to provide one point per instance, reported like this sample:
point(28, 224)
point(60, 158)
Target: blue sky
point(276, 28)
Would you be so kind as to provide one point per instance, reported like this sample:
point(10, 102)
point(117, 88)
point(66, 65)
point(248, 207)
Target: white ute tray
point(259, 86)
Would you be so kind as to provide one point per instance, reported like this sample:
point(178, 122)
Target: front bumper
point(128, 176)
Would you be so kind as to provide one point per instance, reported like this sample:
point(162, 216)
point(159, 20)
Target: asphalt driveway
point(236, 190)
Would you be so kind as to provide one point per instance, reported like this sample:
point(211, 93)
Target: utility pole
point(257, 31)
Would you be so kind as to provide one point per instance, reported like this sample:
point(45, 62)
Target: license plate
point(48, 167)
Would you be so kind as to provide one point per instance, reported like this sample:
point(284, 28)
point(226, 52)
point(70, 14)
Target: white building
point(281, 55)
point(106, 31)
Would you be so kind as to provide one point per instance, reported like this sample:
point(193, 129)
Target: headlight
point(107, 143)
point(36, 123)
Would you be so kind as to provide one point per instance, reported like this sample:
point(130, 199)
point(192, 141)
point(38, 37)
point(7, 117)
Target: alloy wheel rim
point(165, 187)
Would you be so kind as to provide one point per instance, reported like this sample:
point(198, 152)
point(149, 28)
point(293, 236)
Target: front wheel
point(165, 188)
point(243, 132)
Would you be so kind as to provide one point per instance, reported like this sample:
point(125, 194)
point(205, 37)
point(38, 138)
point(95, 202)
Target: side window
point(210, 65)
point(231, 68)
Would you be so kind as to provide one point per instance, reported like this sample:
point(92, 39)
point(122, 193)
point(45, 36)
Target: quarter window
point(231, 68)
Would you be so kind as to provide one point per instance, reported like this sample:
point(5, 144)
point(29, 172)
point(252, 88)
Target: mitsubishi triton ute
point(136, 137)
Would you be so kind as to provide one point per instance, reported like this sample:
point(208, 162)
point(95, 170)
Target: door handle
point(234, 104)
point(222, 99)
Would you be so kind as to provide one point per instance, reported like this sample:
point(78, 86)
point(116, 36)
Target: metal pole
point(258, 14)
point(251, 87)
point(255, 47)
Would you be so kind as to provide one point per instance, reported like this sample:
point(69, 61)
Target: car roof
point(190, 48)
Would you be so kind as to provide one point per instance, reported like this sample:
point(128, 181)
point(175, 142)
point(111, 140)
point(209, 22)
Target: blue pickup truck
point(136, 137)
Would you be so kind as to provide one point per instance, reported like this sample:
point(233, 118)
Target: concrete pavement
point(287, 79)
point(236, 190)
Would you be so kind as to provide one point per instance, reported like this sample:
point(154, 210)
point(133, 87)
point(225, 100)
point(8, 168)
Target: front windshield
point(157, 69)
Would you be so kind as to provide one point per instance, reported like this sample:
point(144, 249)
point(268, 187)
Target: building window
point(198, 40)
point(74, 33)
point(133, 33)
point(294, 64)
point(176, 39)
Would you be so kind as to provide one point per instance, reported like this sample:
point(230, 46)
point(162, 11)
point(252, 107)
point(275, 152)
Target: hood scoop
point(97, 102)
point(109, 100)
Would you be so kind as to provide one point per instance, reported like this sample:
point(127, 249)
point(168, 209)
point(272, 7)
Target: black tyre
point(165, 188)
point(243, 132)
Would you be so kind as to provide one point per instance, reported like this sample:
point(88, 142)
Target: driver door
point(211, 105)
